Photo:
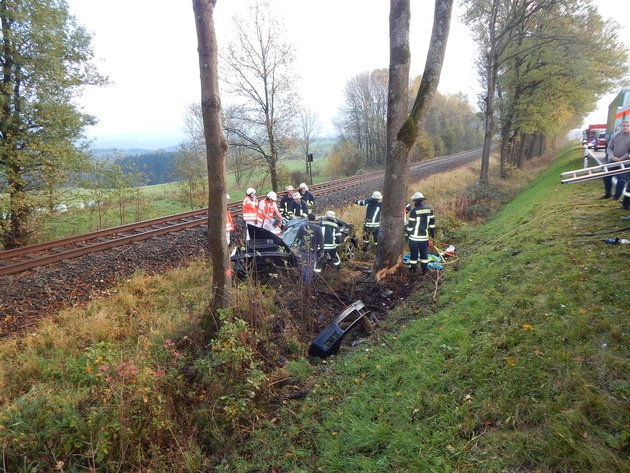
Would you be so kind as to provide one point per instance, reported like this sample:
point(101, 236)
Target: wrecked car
point(349, 241)
point(267, 253)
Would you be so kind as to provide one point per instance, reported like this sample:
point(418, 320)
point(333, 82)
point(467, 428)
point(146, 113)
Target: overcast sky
point(148, 48)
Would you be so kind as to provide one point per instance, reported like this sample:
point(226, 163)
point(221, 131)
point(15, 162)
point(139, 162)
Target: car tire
point(350, 250)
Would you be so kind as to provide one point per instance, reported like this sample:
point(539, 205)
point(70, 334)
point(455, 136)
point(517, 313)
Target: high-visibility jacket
point(267, 209)
point(421, 223)
point(250, 210)
point(372, 212)
point(229, 223)
point(332, 233)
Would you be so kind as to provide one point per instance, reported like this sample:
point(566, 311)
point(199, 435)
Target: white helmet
point(250, 191)
point(272, 195)
point(227, 196)
point(330, 213)
point(297, 196)
point(304, 186)
point(377, 195)
point(417, 196)
point(289, 188)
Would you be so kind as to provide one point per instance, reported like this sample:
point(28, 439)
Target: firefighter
point(298, 208)
point(250, 209)
point(372, 220)
point(307, 196)
point(287, 198)
point(332, 238)
point(268, 211)
point(309, 241)
point(420, 226)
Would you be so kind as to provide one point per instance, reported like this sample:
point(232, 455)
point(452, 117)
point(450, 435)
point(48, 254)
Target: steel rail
point(118, 236)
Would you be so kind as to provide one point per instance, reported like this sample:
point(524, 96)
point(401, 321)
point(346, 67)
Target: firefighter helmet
point(297, 196)
point(377, 195)
point(304, 186)
point(417, 196)
point(330, 213)
point(288, 188)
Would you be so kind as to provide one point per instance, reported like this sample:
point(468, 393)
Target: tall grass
point(517, 361)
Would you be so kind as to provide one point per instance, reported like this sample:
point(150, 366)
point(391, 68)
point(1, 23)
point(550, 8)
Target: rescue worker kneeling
point(420, 226)
point(332, 238)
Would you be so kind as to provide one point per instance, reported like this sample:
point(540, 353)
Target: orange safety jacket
point(250, 210)
point(267, 210)
point(229, 223)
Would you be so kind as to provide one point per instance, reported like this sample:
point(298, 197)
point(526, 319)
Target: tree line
point(543, 66)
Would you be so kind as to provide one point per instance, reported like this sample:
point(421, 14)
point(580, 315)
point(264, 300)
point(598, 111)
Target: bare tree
point(308, 131)
point(364, 115)
point(245, 157)
point(190, 164)
point(403, 130)
point(258, 70)
point(216, 148)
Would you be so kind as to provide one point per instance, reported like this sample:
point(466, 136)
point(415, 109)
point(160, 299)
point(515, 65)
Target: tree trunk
point(216, 149)
point(389, 253)
point(402, 133)
point(491, 83)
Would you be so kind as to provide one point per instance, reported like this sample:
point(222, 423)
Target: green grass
point(520, 364)
point(157, 201)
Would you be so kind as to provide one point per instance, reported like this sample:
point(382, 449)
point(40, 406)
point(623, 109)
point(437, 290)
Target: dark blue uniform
point(420, 226)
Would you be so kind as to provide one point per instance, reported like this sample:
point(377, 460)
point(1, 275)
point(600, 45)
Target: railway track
point(33, 256)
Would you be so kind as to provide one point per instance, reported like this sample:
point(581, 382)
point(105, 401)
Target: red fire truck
point(590, 134)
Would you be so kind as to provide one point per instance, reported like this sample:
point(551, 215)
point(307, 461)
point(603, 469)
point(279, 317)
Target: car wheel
point(349, 251)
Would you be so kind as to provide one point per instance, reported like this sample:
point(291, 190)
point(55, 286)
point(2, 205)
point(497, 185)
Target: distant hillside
point(112, 152)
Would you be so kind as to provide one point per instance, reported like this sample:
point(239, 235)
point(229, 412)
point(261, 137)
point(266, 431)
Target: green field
point(149, 202)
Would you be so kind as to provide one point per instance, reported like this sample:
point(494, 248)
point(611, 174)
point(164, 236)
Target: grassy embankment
point(521, 365)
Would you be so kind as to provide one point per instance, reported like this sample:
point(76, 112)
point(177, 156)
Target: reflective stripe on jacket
point(421, 222)
point(250, 210)
point(332, 234)
point(372, 212)
point(267, 210)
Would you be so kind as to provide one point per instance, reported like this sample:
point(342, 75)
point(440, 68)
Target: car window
point(288, 235)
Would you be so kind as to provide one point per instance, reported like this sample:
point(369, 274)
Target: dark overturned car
point(266, 253)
